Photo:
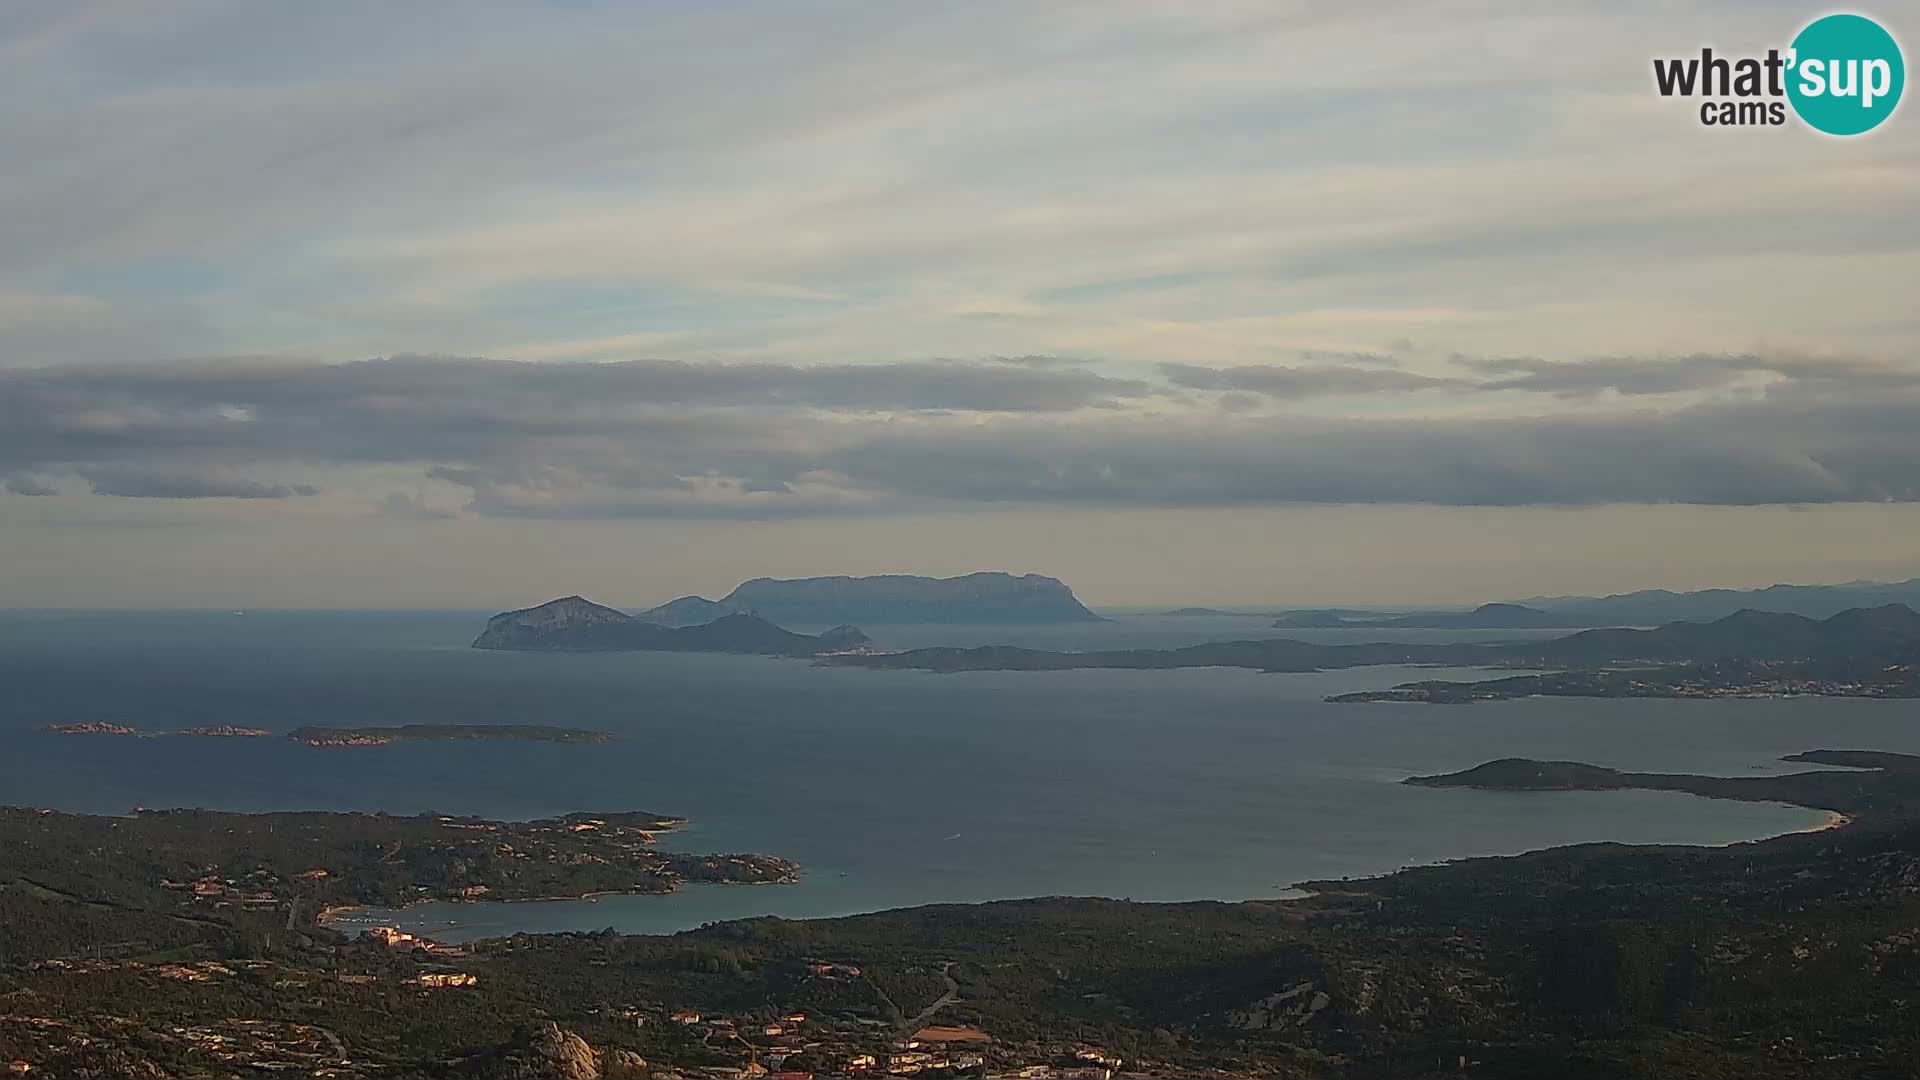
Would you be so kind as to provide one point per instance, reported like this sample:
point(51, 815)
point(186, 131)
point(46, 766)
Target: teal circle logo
point(1845, 75)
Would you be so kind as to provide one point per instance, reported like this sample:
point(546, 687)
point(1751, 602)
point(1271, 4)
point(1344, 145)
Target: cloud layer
point(665, 438)
point(1195, 256)
point(1206, 184)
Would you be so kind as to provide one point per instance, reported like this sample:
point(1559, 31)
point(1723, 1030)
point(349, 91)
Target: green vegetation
point(182, 876)
point(1795, 957)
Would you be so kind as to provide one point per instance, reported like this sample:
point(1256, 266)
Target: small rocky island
point(360, 736)
point(90, 728)
point(576, 624)
point(383, 736)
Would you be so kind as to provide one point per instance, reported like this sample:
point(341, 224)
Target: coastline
point(1835, 820)
point(326, 917)
point(454, 930)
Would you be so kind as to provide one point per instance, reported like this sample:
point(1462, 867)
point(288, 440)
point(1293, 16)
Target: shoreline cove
point(1835, 820)
point(450, 931)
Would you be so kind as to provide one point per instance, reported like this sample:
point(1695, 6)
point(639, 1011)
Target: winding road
point(952, 995)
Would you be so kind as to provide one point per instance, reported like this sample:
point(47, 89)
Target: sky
point(468, 305)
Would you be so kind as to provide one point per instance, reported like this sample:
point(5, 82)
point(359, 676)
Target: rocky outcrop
point(623, 1065)
point(554, 1053)
point(1288, 1008)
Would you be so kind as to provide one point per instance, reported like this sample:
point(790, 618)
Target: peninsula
point(1723, 679)
point(202, 860)
point(1870, 782)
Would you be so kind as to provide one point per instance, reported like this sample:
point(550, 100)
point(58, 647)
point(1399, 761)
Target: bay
point(890, 788)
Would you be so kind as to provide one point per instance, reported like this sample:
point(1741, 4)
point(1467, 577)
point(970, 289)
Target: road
point(952, 995)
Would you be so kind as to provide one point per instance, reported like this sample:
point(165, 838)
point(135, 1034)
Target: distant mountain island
point(1886, 634)
point(576, 624)
point(886, 598)
point(1861, 652)
point(1651, 607)
point(1484, 617)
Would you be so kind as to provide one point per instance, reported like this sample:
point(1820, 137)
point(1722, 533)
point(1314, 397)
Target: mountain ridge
point(576, 624)
point(1498, 615)
point(1859, 638)
point(1648, 607)
point(987, 596)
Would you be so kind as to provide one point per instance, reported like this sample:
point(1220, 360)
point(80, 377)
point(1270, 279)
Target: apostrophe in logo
point(1847, 74)
point(1842, 74)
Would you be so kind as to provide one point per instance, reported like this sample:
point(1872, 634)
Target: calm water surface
point(890, 788)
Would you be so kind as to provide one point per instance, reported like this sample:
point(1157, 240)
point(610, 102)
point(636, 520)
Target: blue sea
point(890, 788)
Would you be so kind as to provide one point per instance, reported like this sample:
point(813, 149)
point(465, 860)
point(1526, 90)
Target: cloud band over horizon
point(567, 440)
point(839, 282)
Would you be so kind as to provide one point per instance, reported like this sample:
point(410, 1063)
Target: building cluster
point(261, 889)
point(794, 1046)
point(392, 937)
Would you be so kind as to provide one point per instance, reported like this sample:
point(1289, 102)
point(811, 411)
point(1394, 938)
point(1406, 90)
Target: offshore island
point(753, 617)
point(363, 736)
point(383, 736)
